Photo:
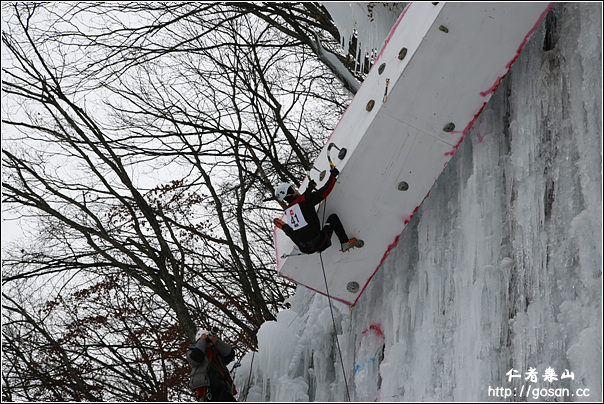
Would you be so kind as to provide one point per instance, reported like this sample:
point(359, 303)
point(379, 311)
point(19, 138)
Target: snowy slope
point(455, 56)
point(498, 272)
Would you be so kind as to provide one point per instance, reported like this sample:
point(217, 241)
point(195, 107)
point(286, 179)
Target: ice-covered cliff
point(494, 290)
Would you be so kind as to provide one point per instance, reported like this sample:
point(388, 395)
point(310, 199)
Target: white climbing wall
point(442, 63)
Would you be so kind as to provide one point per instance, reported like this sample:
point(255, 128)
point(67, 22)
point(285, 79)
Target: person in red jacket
point(302, 223)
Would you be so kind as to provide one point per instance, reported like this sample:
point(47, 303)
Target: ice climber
point(210, 378)
point(302, 223)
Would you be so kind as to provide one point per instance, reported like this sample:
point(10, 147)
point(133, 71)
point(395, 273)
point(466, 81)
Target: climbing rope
point(335, 330)
point(249, 378)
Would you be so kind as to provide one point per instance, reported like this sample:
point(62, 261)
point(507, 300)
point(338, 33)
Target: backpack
point(221, 384)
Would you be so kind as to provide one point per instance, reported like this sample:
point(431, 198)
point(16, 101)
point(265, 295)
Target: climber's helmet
point(284, 190)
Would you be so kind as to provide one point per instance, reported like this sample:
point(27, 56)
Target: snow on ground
point(494, 291)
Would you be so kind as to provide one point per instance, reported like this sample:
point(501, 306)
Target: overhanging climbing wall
point(439, 67)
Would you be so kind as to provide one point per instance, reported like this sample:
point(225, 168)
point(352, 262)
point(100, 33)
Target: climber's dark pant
point(323, 240)
point(334, 225)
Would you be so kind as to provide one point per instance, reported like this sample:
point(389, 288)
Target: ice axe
point(341, 153)
point(321, 173)
point(283, 256)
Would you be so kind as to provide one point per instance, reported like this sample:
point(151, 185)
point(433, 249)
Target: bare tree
point(145, 146)
point(108, 339)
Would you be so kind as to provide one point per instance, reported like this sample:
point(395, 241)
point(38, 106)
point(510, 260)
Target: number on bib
point(295, 218)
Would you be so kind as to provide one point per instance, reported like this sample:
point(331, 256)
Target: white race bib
point(295, 218)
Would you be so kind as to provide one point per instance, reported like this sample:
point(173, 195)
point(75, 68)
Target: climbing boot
point(353, 242)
